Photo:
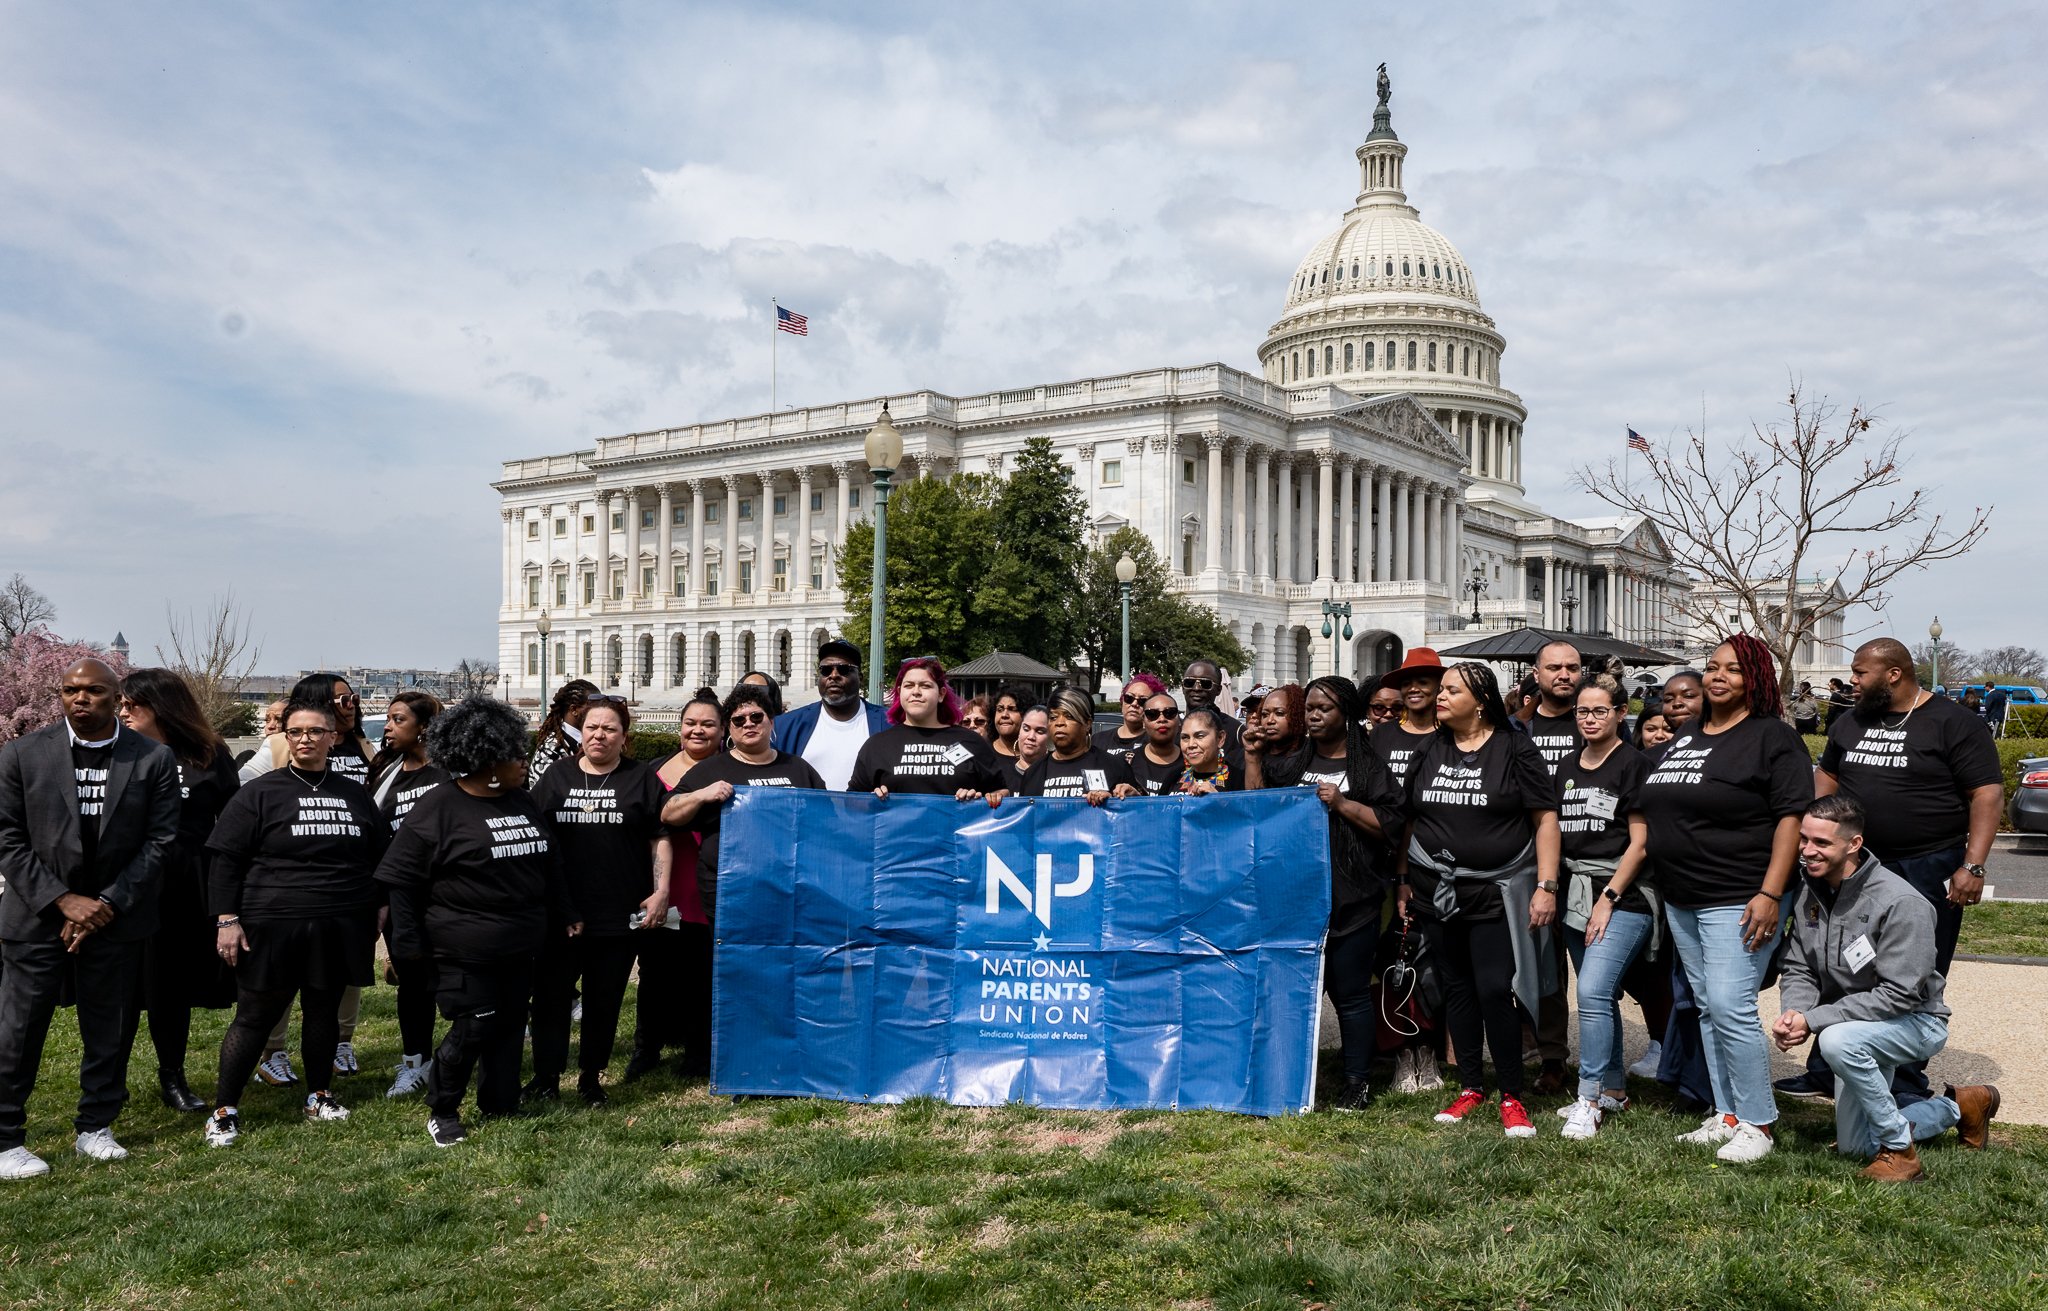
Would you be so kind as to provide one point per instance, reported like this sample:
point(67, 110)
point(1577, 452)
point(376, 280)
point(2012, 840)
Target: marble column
point(1550, 611)
point(764, 542)
point(1239, 529)
point(1402, 544)
point(1262, 514)
point(509, 557)
point(1416, 563)
point(729, 558)
point(800, 549)
point(1212, 528)
point(1382, 533)
point(1347, 546)
point(1326, 514)
point(604, 546)
point(1283, 522)
point(664, 541)
point(696, 539)
point(633, 543)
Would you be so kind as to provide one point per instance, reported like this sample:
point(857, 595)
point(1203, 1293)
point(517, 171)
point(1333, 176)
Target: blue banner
point(1164, 952)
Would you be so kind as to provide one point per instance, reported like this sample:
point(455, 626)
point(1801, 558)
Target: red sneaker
point(1468, 1101)
point(1514, 1121)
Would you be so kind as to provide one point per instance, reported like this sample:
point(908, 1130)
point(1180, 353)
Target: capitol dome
point(1387, 304)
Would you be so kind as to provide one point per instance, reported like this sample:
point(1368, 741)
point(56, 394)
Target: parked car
point(2028, 810)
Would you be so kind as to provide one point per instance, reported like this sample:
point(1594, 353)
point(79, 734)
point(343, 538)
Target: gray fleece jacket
point(1869, 956)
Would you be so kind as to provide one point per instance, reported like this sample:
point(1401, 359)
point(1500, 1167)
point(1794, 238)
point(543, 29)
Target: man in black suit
point(88, 811)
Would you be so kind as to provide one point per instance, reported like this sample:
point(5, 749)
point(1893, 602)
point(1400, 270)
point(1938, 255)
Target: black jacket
point(41, 852)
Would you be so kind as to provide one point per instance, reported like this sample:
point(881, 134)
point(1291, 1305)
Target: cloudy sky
point(280, 285)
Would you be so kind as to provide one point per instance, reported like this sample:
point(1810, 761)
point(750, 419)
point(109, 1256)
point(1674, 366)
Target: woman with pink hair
point(925, 750)
point(1128, 736)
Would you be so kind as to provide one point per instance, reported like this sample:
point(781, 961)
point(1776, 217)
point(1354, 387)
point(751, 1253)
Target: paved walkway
point(1999, 1035)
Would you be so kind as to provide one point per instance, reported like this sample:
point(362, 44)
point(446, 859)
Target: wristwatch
point(1547, 885)
point(1977, 870)
point(1609, 894)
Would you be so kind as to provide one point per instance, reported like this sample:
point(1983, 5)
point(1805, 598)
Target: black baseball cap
point(840, 647)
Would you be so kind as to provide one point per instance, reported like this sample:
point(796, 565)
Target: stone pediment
point(1397, 415)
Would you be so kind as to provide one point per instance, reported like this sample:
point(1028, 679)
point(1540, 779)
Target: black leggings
point(1347, 977)
point(417, 979)
point(484, 1003)
point(1476, 964)
point(604, 964)
point(256, 1014)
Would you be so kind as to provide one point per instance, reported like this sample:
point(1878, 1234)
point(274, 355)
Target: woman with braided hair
point(1364, 806)
point(1723, 806)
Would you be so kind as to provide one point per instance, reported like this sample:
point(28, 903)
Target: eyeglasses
point(1199, 684)
point(344, 698)
point(1382, 712)
point(1593, 712)
point(838, 670)
point(307, 734)
point(748, 721)
point(1138, 700)
point(1163, 712)
point(974, 721)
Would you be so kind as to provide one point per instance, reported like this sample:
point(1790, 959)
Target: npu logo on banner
point(1038, 897)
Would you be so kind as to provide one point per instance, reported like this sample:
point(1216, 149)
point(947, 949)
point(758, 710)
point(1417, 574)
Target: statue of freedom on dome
point(1386, 87)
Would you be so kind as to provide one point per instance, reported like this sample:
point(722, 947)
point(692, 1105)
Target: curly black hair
point(749, 694)
point(476, 735)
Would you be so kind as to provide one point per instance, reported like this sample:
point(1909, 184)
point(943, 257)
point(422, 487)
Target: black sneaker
point(541, 1090)
point(1357, 1095)
point(644, 1060)
point(1805, 1086)
point(446, 1130)
point(591, 1089)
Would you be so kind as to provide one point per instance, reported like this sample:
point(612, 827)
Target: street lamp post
point(1332, 612)
point(1476, 585)
point(1934, 657)
point(545, 626)
point(1570, 606)
point(1126, 574)
point(884, 452)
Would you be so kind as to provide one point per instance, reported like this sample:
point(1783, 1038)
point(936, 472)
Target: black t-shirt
point(1593, 806)
point(785, 771)
point(1359, 862)
point(1398, 747)
point(473, 878)
point(1112, 739)
point(89, 767)
point(1913, 772)
point(1094, 770)
point(603, 825)
point(1713, 802)
point(290, 849)
point(1153, 779)
point(1471, 809)
point(346, 759)
point(928, 761)
point(203, 791)
point(405, 789)
point(1556, 737)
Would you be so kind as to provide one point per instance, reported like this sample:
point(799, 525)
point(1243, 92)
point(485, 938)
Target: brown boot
point(1978, 1102)
point(1899, 1165)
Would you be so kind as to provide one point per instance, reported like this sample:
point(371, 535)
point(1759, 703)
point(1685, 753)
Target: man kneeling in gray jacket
point(1858, 976)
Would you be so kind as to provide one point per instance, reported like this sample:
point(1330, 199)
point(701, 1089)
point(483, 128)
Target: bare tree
point(472, 676)
point(207, 650)
point(22, 607)
point(1818, 498)
point(2011, 664)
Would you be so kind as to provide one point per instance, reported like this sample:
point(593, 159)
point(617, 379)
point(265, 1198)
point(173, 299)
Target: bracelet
point(229, 922)
point(1778, 897)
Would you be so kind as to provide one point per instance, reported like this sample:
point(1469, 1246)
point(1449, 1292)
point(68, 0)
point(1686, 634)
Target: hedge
point(2026, 721)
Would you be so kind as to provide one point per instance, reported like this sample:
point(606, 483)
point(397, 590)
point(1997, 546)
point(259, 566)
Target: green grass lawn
point(672, 1198)
point(2005, 928)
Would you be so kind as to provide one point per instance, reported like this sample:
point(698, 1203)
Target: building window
point(1432, 357)
point(778, 578)
point(681, 581)
point(618, 521)
point(711, 572)
point(1404, 268)
point(1112, 473)
point(561, 589)
point(781, 506)
point(746, 578)
point(618, 584)
point(1411, 356)
point(853, 498)
point(647, 580)
point(533, 590)
point(1187, 555)
point(1329, 360)
point(675, 661)
point(1390, 267)
point(1187, 472)
point(783, 653)
point(817, 502)
point(1297, 366)
point(1368, 355)
point(589, 523)
point(586, 657)
point(561, 656)
point(646, 660)
point(533, 659)
point(533, 529)
point(614, 662)
point(561, 527)
point(1311, 362)
point(1347, 357)
point(712, 511)
point(1465, 362)
point(589, 586)
point(817, 571)
point(647, 518)
point(679, 514)
point(746, 508)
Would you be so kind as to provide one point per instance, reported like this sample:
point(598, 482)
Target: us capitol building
point(1374, 458)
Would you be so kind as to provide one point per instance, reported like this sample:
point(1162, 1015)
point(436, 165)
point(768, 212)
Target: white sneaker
point(276, 1070)
point(1582, 1119)
point(99, 1144)
point(1427, 1077)
point(322, 1106)
point(1748, 1143)
point(1646, 1068)
point(1608, 1102)
point(1714, 1129)
point(1404, 1070)
point(21, 1163)
point(223, 1127)
point(576, 1012)
point(345, 1059)
point(412, 1076)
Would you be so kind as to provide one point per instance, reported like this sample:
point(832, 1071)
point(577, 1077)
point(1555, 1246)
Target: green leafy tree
point(1167, 629)
point(941, 545)
point(1026, 601)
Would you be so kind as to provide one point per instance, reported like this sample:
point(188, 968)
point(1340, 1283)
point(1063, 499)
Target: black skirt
point(182, 968)
point(323, 951)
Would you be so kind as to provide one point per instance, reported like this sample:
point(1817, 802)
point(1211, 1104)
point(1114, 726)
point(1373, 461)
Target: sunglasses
point(1166, 712)
point(838, 671)
point(1199, 684)
point(748, 721)
point(1135, 700)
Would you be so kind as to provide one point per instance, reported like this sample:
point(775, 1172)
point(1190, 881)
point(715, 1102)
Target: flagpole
point(774, 331)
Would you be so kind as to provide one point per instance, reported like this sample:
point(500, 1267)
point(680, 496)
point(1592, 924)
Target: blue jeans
point(1725, 977)
point(1600, 967)
point(1864, 1054)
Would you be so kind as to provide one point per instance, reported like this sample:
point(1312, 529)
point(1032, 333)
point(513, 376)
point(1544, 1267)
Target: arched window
point(1435, 271)
point(646, 659)
point(614, 661)
point(1354, 270)
point(676, 665)
point(1404, 268)
point(712, 655)
point(1465, 362)
point(1329, 360)
point(1392, 356)
point(747, 660)
point(1311, 361)
point(1432, 357)
point(1390, 266)
point(1411, 355)
point(1368, 355)
point(1297, 367)
point(782, 659)
point(1347, 357)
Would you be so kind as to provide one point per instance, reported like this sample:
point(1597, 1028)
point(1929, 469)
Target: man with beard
point(830, 732)
point(1199, 684)
point(1926, 773)
point(1554, 728)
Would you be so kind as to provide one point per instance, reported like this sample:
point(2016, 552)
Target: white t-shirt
point(834, 745)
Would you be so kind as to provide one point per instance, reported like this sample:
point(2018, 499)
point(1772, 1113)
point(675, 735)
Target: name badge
point(1095, 780)
point(1859, 953)
point(958, 754)
point(1600, 803)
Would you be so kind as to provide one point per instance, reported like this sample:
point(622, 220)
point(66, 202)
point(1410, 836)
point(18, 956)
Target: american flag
point(792, 322)
point(1637, 442)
